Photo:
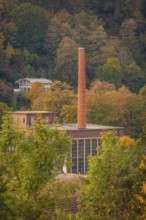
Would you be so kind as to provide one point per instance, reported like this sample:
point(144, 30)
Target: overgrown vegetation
point(113, 189)
point(28, 166)
point(40, 39)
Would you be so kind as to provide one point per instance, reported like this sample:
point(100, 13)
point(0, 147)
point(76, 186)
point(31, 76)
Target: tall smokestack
point(81, 89)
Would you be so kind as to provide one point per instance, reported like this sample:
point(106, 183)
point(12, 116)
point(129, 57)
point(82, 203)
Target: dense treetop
point(40, 39)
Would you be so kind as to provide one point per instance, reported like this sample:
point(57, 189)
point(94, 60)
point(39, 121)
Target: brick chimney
point(81, 89)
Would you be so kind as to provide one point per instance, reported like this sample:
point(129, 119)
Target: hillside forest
point(40, 39)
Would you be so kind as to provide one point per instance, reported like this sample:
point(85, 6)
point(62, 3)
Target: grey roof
point(31, 112)
point(74, 127)
point(32, 80)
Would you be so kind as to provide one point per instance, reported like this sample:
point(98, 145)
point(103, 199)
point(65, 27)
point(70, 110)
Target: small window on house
point(46, 119)
point(31, 120)
point(23, 120)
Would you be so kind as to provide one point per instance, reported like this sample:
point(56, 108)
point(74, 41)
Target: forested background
point(40, 39)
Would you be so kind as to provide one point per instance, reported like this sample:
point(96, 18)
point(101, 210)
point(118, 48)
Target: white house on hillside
point(26, 83)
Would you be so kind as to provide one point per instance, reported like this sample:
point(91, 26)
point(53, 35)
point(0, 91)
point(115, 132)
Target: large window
point(74, 156)
point(80, 156)
point(80, 152)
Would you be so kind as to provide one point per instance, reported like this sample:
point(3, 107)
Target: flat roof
point(32, 80)
point(73, 127)
point(31, 112)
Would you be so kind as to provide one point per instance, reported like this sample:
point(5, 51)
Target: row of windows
point(24, 83)
point(24, 89)
point(81, 150)
point(32, 119)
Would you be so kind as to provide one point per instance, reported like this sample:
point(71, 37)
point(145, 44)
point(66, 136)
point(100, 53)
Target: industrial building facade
point(86, 138)
point(85, 143)
point(80, 151)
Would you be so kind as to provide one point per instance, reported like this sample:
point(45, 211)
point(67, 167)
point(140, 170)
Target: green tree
point(109, 192)
point(6, 93)
point(32, 162)
point(134, 119)
point(89, 33)
point(118, 107)
point(53, 37)
point(141, 195)
point(20, 101)
point(2, 39)
point(61, 100)
point(7, 207)
point(110, 49)
point(108, 73)
point(6, 6)
point(10, 33)
point(128, 34)
point(135, 78)
point(31, 24)
point(3, 109)
point(66, 61)
point(103, 106)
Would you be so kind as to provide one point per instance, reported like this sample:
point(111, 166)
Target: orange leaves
point(107, 103)
point(62, 100)
point(36, 95)
point(127, 142)
point(143, 163)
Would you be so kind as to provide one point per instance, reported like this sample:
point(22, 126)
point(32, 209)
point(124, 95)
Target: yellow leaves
point(10, 51)
point(144, 188)
point(100, 88)
point(134, 67)
point(110, 49)
point(62, 100)
point(101, 32)
point(2, 39)
point(36, 96)
point(105, 103)
point(59, 85)
point(142, 92)
point(69, 113)
point(143, 163)
point(139, 198)
point(2, 4)
point(115, 62)
point(127, 142)
point(142, 166)
point(36, 87)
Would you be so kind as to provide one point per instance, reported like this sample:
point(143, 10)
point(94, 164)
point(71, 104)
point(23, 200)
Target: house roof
point(32, 80)
point(32, 112)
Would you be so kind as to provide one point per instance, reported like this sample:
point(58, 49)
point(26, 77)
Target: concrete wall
point(26, 120)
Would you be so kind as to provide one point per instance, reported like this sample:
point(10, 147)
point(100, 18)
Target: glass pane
point(94, 147)
point(74, 156)
point(81, 156)
point(87, 152)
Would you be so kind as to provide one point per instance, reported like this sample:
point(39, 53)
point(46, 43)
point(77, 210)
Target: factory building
point(85, 137)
